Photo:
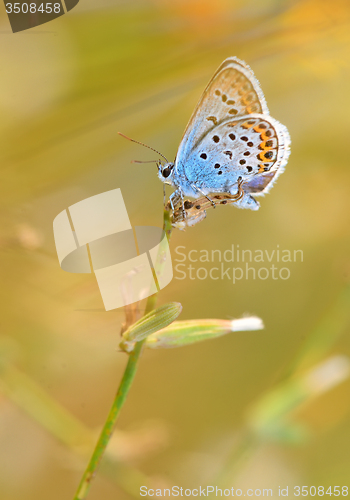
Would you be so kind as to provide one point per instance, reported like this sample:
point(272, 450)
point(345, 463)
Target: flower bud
point(152, 322)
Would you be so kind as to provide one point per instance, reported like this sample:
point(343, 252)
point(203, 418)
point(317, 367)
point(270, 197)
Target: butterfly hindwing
point(252, 147)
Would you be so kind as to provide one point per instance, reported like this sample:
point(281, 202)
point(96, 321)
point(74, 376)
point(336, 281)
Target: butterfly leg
point(195, 188)
point(176, 197)
point(247, 201)
point(244, 200)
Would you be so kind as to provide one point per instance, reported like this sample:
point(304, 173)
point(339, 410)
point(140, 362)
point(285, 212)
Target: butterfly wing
point(268, 172)
point(230, 135)
point(253, 147)
point(233, 91)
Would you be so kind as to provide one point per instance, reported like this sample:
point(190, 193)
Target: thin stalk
point(109, 425)
point(123, 390)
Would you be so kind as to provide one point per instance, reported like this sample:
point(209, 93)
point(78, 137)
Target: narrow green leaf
point(272, 417)
point(285, 432)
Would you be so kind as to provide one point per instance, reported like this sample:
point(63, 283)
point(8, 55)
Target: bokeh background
point(66, 89)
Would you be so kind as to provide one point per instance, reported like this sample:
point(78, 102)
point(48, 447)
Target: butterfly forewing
point(232, 92)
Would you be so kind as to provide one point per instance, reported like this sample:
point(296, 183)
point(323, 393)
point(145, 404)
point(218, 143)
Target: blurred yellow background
point(66, 89)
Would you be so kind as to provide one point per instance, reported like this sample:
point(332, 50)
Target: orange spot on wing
point(265, 137)
point(261, 156)
point(263, 145)
point(253, 108)
point(246, 125)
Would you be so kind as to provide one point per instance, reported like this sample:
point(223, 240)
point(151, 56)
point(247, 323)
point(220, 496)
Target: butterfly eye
point(166, 172)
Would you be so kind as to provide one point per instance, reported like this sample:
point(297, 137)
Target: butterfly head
point(165, 173)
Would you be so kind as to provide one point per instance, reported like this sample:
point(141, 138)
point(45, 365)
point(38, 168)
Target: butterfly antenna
point(141, 161)
point(142, 144)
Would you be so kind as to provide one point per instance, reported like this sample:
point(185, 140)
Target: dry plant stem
point(119, 399)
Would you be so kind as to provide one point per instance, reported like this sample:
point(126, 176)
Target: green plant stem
point(119, 399)
point(109, 425)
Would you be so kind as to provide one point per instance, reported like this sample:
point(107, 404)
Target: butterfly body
point(230, 139)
